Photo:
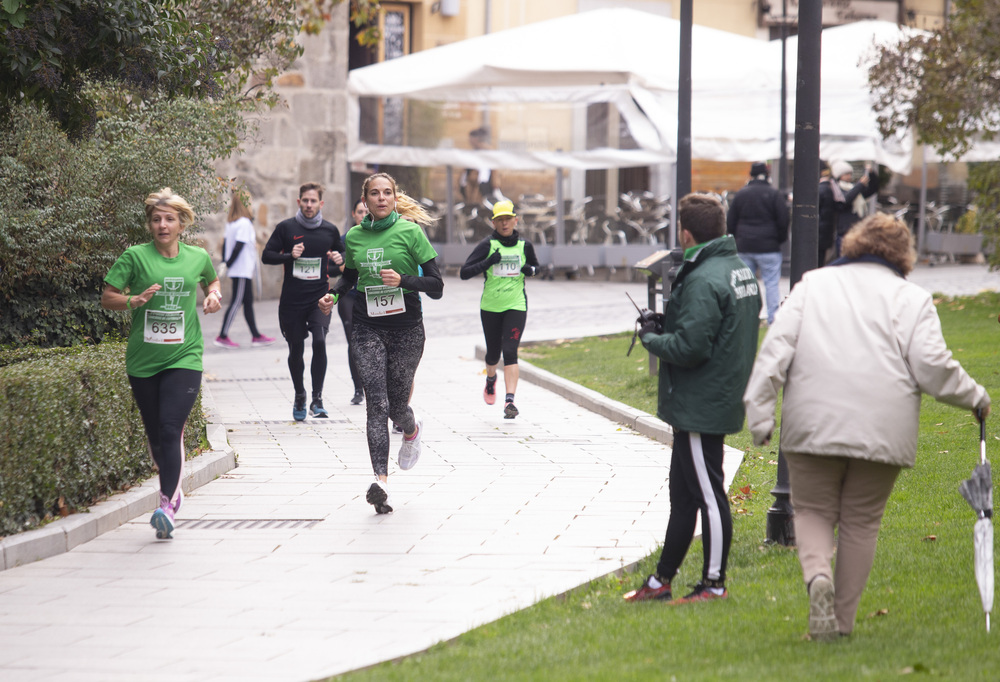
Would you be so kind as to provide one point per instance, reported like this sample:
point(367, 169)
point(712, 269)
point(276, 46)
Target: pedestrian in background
point(706, 350)
point(157, 283)
point(854, 347)
point(758, 218)
point(504, 259)
point(239, 252)
point(345, 309)
point(827, 209)
point(310, 251)
point(850, 198)
point(383, 261)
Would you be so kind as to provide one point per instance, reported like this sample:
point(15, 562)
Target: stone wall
point(302, 140)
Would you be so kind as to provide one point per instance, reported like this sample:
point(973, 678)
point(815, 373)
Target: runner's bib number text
point(509, 266)
point(164, 326)
point(306, 268)
point(384, 300)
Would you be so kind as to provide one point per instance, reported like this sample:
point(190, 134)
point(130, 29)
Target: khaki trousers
point(848, 495)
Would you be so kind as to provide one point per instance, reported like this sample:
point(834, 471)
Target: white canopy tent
point(848, 129)
point(623, 57)
point(629, 58)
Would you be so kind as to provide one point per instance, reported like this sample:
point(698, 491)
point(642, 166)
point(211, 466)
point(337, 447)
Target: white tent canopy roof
point(630, 58)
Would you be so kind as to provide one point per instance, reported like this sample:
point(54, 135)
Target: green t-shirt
point(166, 333)
point(402, 247)
point(504, 287)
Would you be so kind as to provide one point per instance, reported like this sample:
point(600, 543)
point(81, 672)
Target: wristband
point(128, 303)
point(216, 292)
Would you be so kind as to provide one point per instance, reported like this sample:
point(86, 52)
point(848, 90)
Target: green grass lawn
point(920, 615)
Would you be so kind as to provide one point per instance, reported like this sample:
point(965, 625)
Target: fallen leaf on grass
point(880, 612)
point(930, 538)
point(771, 461)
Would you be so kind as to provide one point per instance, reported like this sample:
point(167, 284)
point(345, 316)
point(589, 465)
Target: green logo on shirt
point(375, 261)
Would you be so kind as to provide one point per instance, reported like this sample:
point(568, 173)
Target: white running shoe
point(409, 451)
point(378, 497)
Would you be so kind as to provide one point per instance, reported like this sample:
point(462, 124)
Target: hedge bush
point(69, 209)
point(71, 432)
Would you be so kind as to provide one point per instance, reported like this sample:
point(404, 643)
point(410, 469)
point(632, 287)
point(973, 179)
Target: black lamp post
point(805, 217)
point(683, 181)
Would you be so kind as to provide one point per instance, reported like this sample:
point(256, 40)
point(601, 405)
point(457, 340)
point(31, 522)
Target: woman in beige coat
point(854, 346)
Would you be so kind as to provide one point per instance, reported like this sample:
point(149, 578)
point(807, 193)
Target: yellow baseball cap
point(502, 208)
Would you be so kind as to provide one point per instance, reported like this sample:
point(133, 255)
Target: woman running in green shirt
point(157, 282)
point(383, 258)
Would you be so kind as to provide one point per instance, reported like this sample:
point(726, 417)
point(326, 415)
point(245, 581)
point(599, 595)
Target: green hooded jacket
point(709, 340)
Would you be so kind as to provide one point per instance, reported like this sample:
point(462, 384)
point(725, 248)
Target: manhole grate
point(216, 380)
point(324, 422)
point(246, 524)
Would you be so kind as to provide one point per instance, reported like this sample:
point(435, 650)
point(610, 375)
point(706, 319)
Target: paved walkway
point(280, 570)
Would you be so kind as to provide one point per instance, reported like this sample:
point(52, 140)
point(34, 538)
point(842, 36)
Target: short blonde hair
point(882, 235)
point(166, 197)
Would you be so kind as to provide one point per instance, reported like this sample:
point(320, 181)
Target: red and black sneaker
point(704, 592)
point(647, 592)
point(490, 392)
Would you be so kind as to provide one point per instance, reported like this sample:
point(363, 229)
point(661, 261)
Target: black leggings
point(165, 401)
point(242, 295)
point(503, 332)
point(345, 308)
point(295, 325)
point(387, 361)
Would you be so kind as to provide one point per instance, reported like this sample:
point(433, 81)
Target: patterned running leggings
point(387, 360)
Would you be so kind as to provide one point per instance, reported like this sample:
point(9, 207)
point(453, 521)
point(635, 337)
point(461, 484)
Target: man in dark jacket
point(758, 218)
point(706, 351)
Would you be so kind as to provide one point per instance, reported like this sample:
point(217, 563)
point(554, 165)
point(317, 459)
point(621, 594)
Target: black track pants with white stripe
point(697, 486)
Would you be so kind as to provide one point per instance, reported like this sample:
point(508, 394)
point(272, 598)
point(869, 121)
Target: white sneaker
point(378, 497)
point(409, 451)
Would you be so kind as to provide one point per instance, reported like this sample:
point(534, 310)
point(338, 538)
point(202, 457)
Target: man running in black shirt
point(311, 251)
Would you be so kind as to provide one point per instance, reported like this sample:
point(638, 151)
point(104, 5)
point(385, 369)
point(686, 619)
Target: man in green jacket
point(706, 352)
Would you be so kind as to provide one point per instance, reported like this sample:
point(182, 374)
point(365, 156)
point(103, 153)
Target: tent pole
point(560, 212)
point(922, 215)
point(672, 237)
point(449, 195)
point(783, 162)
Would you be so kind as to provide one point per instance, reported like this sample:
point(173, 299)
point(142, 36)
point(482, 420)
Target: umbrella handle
point(982, 435)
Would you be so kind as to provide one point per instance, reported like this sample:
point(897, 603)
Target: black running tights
point(165, 401)
point(242, 296)
point(345, 308)
point(503, 334)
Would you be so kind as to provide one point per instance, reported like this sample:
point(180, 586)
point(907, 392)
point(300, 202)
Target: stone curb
point(64, 534)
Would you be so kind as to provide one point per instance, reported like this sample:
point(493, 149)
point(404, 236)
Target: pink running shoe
point(225, 342)
point(262, 340)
